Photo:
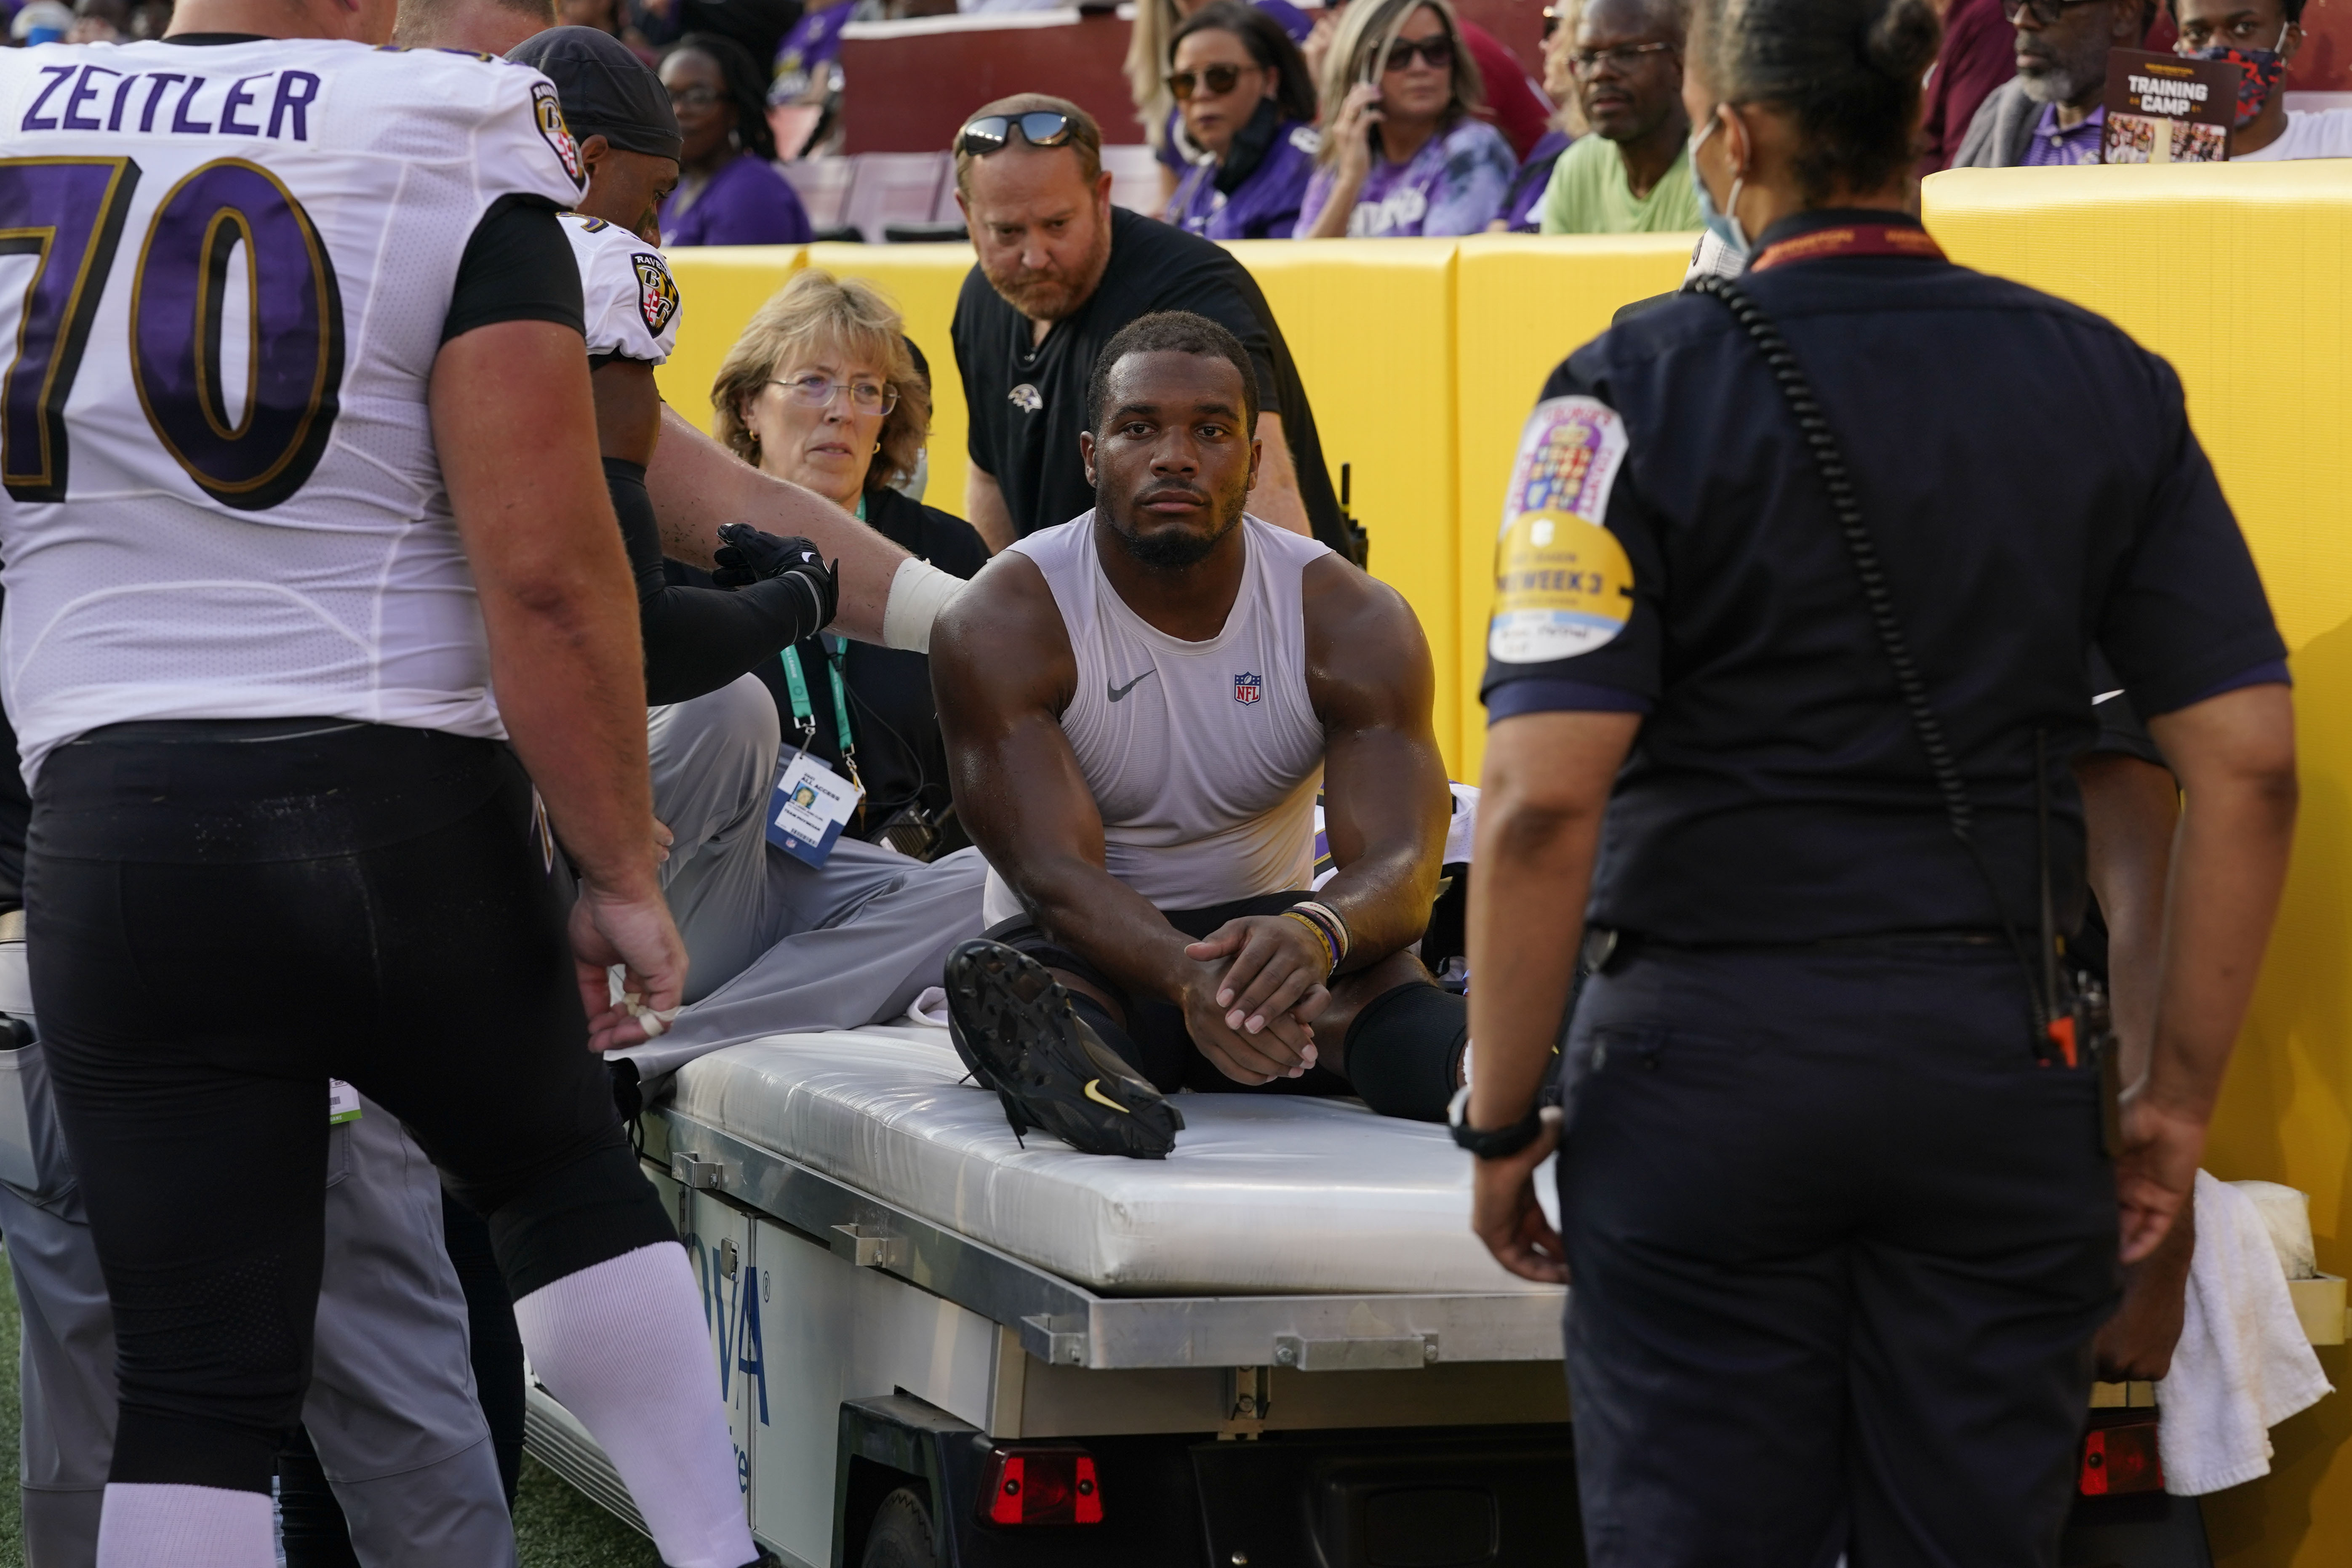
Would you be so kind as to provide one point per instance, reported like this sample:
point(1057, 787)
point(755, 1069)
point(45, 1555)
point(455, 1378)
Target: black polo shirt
point(1028, 400)
point(2034, 488)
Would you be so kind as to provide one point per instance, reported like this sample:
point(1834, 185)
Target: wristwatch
point(1501, 1142)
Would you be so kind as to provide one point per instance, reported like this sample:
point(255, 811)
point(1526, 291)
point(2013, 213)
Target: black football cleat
point(1012, 1023)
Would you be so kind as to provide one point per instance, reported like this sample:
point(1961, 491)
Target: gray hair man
point(2050, 113)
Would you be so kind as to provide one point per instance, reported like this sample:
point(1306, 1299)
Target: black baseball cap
point(604, 88)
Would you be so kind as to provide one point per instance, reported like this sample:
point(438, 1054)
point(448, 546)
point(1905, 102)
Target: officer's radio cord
point(1864, 552)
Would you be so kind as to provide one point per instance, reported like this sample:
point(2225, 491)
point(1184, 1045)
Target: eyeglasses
point(1550, 22)
point(2045, 12)
point(1437, 51)
point(694, 97)
point(1625, 57)
point(1218, 79)
point(1039, 127)
point(815, 391)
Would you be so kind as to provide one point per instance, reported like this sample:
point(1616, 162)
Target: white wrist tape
point(919, 592)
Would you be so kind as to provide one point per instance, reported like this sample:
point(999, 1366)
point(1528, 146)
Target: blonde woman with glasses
point(1404, 151)
point(824, 390)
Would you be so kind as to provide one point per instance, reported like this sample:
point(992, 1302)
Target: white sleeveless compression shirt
point(1202, 758)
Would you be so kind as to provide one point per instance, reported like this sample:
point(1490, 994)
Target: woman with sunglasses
point(1241, 85)
point(730, 190)
point(1150, 44)
point(1404, 151)
point(823, 390)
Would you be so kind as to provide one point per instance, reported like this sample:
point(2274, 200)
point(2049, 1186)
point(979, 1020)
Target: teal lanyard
point(804, 711)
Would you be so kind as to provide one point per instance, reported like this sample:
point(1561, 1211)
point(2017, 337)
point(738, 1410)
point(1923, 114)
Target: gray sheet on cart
point(1264, 1195)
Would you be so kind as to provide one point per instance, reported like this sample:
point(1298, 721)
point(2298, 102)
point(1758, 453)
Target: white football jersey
point(631, 300)
point(225, 269)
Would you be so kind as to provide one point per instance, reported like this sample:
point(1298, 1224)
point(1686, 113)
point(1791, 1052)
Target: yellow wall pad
point(2236, 275)
point(719, 287)
point(1525, 304)
point(1371, 323)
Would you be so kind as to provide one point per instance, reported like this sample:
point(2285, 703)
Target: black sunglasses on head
point(1039, 127)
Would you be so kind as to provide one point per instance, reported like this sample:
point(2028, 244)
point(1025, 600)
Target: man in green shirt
point(1632, 175)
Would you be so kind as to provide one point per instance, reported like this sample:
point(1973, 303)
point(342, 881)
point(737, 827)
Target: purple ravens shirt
point(1265, 205)
point(746, 203)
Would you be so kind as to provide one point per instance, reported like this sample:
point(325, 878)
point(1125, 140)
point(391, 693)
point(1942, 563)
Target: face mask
point(1723, 227)
point(2260, 70)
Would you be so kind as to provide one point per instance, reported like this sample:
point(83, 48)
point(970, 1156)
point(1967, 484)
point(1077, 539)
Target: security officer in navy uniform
point(1795, 592)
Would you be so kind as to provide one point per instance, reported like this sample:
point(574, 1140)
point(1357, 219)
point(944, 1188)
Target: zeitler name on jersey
point(235, 357)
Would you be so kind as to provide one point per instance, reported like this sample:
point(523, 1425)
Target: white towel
point(930, 1007)
point(2243, 1365)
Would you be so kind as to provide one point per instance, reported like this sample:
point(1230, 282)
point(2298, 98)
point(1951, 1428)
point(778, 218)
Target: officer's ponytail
point(1849, 72)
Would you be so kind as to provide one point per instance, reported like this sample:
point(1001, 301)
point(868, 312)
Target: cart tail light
point(1041, 1485)
point(2121, 1460)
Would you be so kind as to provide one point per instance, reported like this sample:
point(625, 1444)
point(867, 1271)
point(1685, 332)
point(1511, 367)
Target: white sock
point(146, 1526)
point(623, 1345)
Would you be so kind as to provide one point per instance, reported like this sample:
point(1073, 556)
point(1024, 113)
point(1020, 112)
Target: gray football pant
point(775, 944)
point(391, 1408)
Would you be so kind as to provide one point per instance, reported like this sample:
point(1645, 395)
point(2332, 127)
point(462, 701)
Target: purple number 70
point(68, 212)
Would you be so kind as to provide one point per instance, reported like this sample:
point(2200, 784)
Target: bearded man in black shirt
point(1060, 273)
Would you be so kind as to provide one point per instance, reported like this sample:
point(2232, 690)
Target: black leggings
point(225, 914)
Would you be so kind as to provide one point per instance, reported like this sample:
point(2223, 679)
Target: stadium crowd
point(969, 796)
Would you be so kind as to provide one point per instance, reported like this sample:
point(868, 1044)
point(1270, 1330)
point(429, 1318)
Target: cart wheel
point(901, 1535)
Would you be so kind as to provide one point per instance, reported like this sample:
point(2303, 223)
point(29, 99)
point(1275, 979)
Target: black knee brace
point(577, 1216)
point(1404, 1049)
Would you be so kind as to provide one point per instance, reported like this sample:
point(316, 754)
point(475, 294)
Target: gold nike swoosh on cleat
point(1095, 1093)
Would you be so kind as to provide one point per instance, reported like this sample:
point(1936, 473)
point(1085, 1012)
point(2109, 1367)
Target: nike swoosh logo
point(1095, 1093)
point(1119, 693)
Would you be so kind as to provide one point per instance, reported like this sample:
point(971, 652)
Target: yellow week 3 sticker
point(1563, 585)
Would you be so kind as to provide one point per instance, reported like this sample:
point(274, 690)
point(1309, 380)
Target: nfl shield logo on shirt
point(1247, 688)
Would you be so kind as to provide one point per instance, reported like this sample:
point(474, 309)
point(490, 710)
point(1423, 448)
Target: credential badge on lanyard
point(811, 803)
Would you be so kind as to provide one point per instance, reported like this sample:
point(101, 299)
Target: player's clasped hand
point(1278, 967)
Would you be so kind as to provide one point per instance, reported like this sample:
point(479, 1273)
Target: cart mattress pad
point(1277, 1195)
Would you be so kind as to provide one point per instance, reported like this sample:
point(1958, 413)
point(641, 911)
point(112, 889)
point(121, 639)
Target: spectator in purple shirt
point(1404, 151)
point(1241, 85)
point(2051, 110)
point(729, 190)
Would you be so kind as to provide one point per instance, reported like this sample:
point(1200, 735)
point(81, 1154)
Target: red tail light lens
point(2121, 1460)
point(1041, 1485)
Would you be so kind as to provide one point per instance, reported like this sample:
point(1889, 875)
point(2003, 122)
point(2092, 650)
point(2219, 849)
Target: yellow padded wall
point(1371, 323)
point(2237, 276)
point(719, 287)
point(1526, 304)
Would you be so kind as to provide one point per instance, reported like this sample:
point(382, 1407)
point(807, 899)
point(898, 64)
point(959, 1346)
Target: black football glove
point(750, 556)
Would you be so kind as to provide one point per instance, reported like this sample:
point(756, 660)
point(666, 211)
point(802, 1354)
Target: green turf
point(555, 1527)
